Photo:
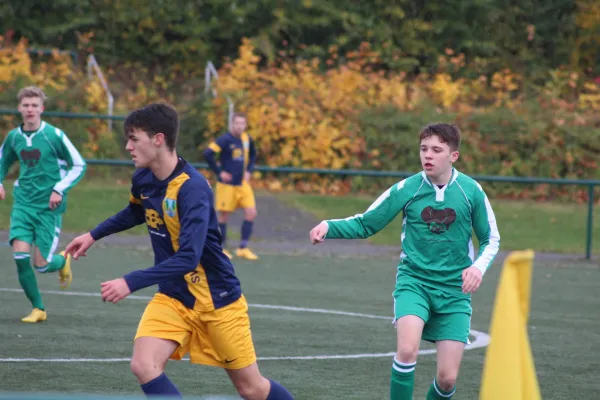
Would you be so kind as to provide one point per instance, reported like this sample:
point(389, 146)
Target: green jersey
point(48, 162)
point(436, 230)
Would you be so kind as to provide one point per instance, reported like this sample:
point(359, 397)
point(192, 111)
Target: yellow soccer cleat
point(246, 253)
point(65, 275)
point(36, 315)
point(228, 254)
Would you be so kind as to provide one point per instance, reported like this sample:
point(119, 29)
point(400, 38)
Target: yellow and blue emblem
point(170, 207)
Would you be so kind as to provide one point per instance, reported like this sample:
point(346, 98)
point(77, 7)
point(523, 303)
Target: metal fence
point(590, 184)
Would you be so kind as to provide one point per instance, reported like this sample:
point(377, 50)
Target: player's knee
point(145, 369)
point(248, 392)
point(222, 217)
point(39, 262)
point(446, 379)
point(407, 353)
point(250, 213)
point(40, 266)
point(18, 246)
point(253, 390)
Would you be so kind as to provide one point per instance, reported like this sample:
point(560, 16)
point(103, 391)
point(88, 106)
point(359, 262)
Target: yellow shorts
point(229, 198)
point(219, 338)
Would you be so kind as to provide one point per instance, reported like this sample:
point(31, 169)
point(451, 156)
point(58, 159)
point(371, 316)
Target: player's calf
point(27, 279)
point(247, 226)
point(57, 261)
point(409, 329)
point(449, 356)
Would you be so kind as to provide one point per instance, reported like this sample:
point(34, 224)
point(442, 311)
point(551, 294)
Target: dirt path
point(280, 229)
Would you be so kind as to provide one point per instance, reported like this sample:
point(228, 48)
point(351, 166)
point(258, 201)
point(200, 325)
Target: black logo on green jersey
point(31, 157)
point(438, 221)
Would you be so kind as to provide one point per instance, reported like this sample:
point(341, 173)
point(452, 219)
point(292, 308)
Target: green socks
point(402, 381)
point(27, 275)
point(435, 393)
point(27, 280)
point(57, 263)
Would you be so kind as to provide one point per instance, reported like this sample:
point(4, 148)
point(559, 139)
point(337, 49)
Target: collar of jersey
point(452, 178)
point(41, 128)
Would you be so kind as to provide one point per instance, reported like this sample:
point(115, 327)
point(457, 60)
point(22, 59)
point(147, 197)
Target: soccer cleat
point(65, 275)
point(228, 254)
point(246, 253)
point(36, 315)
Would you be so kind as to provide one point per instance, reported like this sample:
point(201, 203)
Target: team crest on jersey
point(438, 221)
point(237, 154)
point(170, 207)
point(31, 157)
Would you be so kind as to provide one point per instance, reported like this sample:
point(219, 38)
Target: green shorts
point(41, 227)
point(447, 317)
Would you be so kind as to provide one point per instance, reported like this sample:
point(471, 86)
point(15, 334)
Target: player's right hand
point(225, 176)
point(79, 245)
point(2, 193)
point(317, 234)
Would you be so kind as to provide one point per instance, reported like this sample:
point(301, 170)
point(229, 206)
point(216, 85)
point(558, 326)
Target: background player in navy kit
point(237, 155)
point(199, 308)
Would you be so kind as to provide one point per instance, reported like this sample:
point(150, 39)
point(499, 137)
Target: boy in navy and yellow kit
point(237, 155)
point(199, 308)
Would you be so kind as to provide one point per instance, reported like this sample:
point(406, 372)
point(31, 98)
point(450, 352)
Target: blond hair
point(31, 91)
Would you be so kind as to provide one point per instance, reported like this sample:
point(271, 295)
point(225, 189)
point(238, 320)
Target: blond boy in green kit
point(49, 166)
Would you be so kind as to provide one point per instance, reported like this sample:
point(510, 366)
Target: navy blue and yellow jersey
point(190, 265)
point(236, 156)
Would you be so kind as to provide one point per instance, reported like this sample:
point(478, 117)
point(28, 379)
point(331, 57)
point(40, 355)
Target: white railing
point(210, 73)
point(92, 66)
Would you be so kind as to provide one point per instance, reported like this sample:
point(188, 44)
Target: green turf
point(563, 329)
point(546, 227)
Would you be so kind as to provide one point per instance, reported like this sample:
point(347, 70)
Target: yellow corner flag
point(509, 371)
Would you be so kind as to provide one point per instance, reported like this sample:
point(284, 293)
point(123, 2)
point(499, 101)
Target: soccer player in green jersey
point(49, 166)
point(438, 268)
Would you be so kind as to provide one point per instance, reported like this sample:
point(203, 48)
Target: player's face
point(31, 109)
point(238, 126)
point(143, 148)
point(436, 157)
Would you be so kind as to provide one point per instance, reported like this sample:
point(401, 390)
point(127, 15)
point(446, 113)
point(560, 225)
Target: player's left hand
point(115, 290)
point(318, 233)
point(55, 200)
point(247, 176)
point(472, 277)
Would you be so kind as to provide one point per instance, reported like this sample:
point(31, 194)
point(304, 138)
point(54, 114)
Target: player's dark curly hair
point(448, 133)
point(152, 119)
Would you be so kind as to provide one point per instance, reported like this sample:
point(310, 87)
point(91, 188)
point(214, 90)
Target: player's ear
point(454, 156)
point(159, 139)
